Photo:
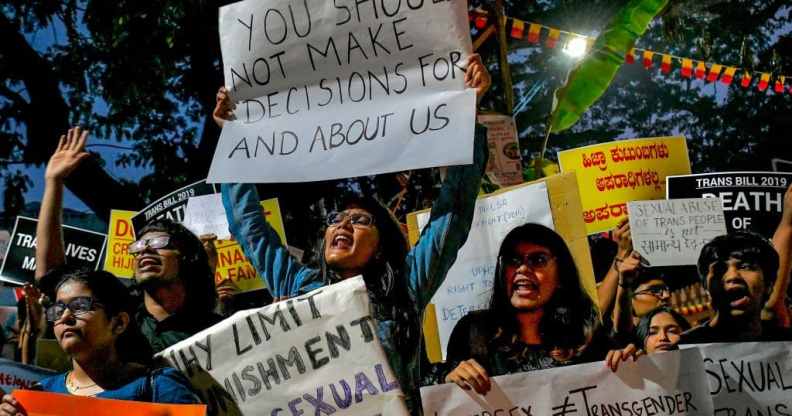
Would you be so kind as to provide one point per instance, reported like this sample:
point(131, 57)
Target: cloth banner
point(671, 383)
point(83, 249)
point(315, 353)
point(329, 90)
point(672, 232)
point(468, 285)
point(751, 200)
point(611, 174)
point(14, 375)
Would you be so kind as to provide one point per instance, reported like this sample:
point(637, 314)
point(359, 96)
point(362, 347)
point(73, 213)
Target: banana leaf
point(593, 74)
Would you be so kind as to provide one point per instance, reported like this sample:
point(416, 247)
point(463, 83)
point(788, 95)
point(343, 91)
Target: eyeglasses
point(657, 291)
point(160, 241)
point(78, 306)
point(534, 261)
point(357, 219)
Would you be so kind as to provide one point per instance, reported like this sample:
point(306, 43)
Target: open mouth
point(525, 286)
point(146, 262)
point(738, 296)
point(341, 241)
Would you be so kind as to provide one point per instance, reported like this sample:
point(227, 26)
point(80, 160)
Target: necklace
point(73, 387)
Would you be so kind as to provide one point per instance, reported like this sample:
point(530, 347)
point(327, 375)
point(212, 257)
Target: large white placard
point(318, 352)
point(468, 285)
point(672, 232)
point(750, 379)
point(670, 383)
point(343, 88)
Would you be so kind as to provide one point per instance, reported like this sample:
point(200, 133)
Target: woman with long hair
point(93, 325)
point(539, 315)
point(365, 239)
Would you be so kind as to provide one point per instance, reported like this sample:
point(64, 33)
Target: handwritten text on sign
point(610, 174)
point(672, 232)
point(314, 353)
point(468, 286)
point(750, 379)
point(671, 383)
point(328, 90)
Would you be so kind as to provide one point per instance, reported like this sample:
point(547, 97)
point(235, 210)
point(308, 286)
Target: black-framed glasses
point(534, 261)
point(160, 241)
point(78, 306)
point(657, 291)
point(357, 219)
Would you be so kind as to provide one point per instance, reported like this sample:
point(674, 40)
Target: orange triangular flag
point(764, 81)
point(647, 59)
point(728, 75)
point(552, 38)
point(715, 70)
point(701, 70)
point(533, 32)
point(687, 67)
point(665, 64)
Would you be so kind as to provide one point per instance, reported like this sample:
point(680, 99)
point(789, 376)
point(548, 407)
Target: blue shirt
point(164, 385)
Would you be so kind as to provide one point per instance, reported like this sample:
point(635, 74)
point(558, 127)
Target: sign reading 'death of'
point(610, 174)
point(83, 249)
point(328, 90)
point(671, 383)
point(119, 235)
point(468, 285)
point(504, 166)
point(672, 232)
point(750, 379)
point(315, 353)
point(14, 375)
point(751, 200)
point(171, 206)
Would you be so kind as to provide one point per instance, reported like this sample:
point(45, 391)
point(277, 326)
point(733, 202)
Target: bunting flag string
point(689, 67)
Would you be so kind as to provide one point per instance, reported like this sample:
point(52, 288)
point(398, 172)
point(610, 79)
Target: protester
point(658, 331)
point(539, 315)
point(607, 288)
point(171, 265)
point(365, 239)
point(93, 325)
point(641, 290)
point(739, 270)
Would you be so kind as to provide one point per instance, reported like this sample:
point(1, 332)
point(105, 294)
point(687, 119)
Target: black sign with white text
point(751, 200)
point(170, 206)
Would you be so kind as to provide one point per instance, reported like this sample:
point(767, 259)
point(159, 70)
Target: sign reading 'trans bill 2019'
point(328, 90)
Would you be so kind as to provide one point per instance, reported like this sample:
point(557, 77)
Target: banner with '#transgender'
point(328, 90)
point(671, 383)
point(312, 354)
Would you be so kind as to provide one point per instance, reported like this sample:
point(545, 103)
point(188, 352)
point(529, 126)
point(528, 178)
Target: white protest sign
point(318, 352)
point(14, 375)
point(468, 285)
point(750, 379)
point(205, 214)
point(671, 383)
point(672, 232)
point(328, 90)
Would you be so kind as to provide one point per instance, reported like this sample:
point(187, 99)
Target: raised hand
point(224, 107)
point(477, 76)
point(68, 155)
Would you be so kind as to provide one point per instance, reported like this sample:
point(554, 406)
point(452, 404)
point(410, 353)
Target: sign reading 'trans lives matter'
point(328, 90)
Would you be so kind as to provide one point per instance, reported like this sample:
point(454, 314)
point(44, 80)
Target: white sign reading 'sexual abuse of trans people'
point(670, 383)
point(468, 285)
point(344, 88)
point(313, 354)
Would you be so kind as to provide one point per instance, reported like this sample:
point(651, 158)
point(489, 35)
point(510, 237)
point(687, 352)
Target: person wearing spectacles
point(539, 314)
point(363, 238)
point(92, 322)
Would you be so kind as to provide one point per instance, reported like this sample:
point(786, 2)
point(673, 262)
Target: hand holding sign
point(477, 76)
point(68, 155)
point(224, 107)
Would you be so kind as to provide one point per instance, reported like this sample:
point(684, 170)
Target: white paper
point(310, 346)
point(672, 232)
point(468, 285)
point(205, 214)
point(311, 79)
point(750, 379)
point(671, 383)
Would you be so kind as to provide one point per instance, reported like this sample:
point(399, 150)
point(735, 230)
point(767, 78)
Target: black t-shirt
point(175, 328)
point(705, 334)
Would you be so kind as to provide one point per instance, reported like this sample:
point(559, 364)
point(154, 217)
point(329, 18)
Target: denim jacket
point(426, 264)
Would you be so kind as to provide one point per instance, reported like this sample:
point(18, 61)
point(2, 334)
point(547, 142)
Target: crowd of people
point(539, 315)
